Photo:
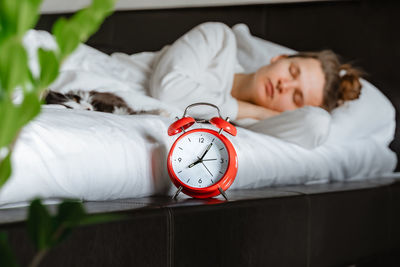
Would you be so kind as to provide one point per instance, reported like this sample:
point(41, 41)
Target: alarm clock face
point(199, 158)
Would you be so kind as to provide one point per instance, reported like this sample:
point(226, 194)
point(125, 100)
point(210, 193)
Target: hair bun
point(350, 85)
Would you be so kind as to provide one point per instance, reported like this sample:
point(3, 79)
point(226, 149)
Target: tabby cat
point(93, 100)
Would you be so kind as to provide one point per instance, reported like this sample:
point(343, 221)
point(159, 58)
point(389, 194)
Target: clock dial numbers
point(201, 163)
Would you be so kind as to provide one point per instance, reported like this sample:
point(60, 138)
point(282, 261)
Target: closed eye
point(66, 106)
point(294, 70)
point(298, 98)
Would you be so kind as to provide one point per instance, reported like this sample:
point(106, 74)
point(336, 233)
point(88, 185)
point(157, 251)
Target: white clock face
point(200, 159)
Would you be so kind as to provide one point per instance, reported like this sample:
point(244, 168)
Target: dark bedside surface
point(285, 226)
point(18, 214)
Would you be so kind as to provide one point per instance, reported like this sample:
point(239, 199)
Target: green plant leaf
point(28, 109)
point(70, 213)
point(67, 37)
point(9, 128)
point(7, 258)
point(49, 66)
point(27, 15)
point(88, 21)
point(13, 118)
point(18, 16)
point(69, 33)
point(5, 169)
point(104, 5)
point(8, 13)
point(13, 64)
point(40, 225)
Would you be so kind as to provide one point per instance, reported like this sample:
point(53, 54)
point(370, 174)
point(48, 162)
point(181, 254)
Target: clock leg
point(222, 193)
point(177, 192)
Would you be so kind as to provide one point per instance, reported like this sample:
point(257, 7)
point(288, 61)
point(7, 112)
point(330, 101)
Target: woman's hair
point(341, 80)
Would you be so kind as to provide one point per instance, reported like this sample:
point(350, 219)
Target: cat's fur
point(93, 100)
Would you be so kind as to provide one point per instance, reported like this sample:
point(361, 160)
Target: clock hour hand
point(201, 158)
point(194, 163)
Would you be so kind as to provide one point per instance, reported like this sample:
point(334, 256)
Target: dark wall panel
point(142, 239)
point(266, 232)
point(338, 221)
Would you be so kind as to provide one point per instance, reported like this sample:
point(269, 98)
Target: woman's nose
point(285, 86)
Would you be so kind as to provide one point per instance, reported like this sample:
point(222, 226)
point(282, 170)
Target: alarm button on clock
point(180, 125)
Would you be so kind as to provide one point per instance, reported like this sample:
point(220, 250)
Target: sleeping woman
point(202, 66)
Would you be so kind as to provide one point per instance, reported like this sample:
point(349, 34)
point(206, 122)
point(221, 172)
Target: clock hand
point(198, 161)
point(205, 152)
point(194, 163)
point(201, 158)
point(207, 168)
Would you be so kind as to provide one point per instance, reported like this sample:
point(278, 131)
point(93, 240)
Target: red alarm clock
point(202, 163)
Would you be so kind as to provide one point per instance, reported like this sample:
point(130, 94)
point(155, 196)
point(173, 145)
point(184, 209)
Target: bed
point(68, 153)
point(333, 168)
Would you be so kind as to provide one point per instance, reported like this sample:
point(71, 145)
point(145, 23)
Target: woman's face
point(289, 83)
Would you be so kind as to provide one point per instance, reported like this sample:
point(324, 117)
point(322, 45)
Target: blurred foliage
point(47, 231)
point(16, 18)
point(6, 256)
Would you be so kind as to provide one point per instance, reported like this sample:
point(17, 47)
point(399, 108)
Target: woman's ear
point(276, 58)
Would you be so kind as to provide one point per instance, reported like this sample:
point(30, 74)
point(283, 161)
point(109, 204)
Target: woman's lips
point(269, 88)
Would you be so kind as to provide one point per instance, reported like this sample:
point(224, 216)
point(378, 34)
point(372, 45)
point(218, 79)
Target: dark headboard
point(365, 33)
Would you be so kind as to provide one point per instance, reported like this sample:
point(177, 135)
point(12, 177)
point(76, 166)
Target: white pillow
point(370, 116)
point(307, 127)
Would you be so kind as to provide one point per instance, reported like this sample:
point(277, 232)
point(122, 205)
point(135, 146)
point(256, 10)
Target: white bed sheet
point(98, 156)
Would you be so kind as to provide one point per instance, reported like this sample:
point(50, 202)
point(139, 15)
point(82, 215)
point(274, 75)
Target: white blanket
point(97, 156)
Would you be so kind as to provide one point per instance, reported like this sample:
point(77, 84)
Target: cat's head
point(73, 99)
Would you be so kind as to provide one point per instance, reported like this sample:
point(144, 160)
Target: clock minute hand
point(205, 152)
